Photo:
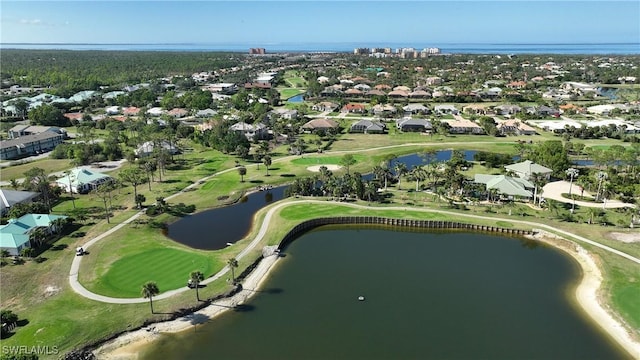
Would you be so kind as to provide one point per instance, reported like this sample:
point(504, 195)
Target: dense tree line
point(71, 71)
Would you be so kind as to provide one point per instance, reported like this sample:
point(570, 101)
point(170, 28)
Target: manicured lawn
point(48, 165)
point(286, 93)
point(319, 160)
point(169, 268)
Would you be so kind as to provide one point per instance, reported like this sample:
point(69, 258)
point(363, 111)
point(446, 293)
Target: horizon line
point(315, 42)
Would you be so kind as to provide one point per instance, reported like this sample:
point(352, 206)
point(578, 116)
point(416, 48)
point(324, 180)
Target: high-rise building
point(257, 51)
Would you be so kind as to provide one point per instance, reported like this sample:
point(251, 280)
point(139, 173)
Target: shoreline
point(586, 294)
point(129, 345)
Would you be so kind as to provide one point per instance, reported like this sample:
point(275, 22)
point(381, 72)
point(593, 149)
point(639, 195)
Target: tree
point(196, 277)
point(69, 178)
point(601, 176)
point(37, 180)
point(103, 192)
point(149, 290)
point(233, 264)
point(140, 199)
point(134, 176)
point(572, 173)
point(242, 171)
point(347, 161)
point(266, 160)
point(401, 170)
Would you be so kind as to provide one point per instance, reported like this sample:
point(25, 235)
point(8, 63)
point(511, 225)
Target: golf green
point(168, 268)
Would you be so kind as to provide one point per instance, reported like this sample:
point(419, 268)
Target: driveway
point(554, 190)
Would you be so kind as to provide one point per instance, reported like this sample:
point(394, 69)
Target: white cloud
point(31, 22)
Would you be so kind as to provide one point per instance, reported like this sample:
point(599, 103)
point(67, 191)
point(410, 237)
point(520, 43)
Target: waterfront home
point(515, 127)
point(29, 145)
point(82, 180)
point(464, 126)
point(368, 127)
point(527, 168)
point(408, 124)
point(16, 234)
point(506, 185)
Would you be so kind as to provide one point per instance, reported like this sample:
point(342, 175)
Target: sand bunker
point(316, 168)
point(625, 237)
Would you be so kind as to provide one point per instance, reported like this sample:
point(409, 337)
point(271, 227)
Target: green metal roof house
point(527, 168)
point(82, 180)
point(14, 236)
point(506, 185)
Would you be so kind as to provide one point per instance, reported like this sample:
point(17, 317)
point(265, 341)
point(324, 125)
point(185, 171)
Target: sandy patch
point(316, 168)
point(51, 290)
point(625, 237)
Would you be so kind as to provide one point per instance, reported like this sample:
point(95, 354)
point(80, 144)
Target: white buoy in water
point(360, 298)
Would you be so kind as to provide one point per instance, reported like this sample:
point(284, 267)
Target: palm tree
point(196, 277)
point(233, 264)
point(572, 173)
point(242, 171)
point(538, 181)
point(73, 199)
point(401, 170)
point(370, 189)
point(149, 290)
point(266, 160)
point(600, 176)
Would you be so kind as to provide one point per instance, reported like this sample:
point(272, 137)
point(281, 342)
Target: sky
point(267, 23)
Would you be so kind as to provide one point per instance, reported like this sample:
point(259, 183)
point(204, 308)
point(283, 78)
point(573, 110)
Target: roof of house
point(81, 176)
point(369, 125)
point(320, 124)
point(414, 107)
point(16, 232)
point(407, 121)
point(10, 197)
point(403, 93)
point(376, 92)
point(505, 184)
point(528, 167)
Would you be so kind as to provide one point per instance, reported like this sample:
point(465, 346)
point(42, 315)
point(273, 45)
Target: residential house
point(74, 116)
point(353, 108)
point(322, 79)
point(9, 198)
point(413, 109)
point(131, 111)
point(506, 185)
point(29, 145)
point(368, 127)
point(178, 113)
point(433, 80)
point(383, 110)
point(420, 94)
point(464, 126)
point(16, 235)
point(325, 106)
point(398, 94)
point(206, 113)
point(446, 109)
point(402, 88)
point(362, 87)
point(515, 127)
point(376, 92)
point(544, 110)
point(320, 125)
point(475, 109)
point(517, 85)
point(353, 92)
point(408, 124)
point(147, 148)
point(222, 88)
point(288, 114)
point(256, 131)
point(155, 111)
point(507, 109)
point(527, 168)
point(82, 180)
point(382, 87)
point(112, 110)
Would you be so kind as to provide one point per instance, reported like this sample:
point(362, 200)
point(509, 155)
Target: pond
point(214, 229)
point(452, 295)
point(296, 99)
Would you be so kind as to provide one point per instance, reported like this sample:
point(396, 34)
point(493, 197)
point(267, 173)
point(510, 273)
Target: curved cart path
point(77, 287)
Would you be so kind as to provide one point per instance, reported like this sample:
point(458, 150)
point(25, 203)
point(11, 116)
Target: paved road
point(554, 190)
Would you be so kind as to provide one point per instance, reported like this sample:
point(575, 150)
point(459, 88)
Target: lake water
point(213, 229)
point(427, 296)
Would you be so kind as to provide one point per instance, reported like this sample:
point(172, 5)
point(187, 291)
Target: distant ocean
point(458, 48)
